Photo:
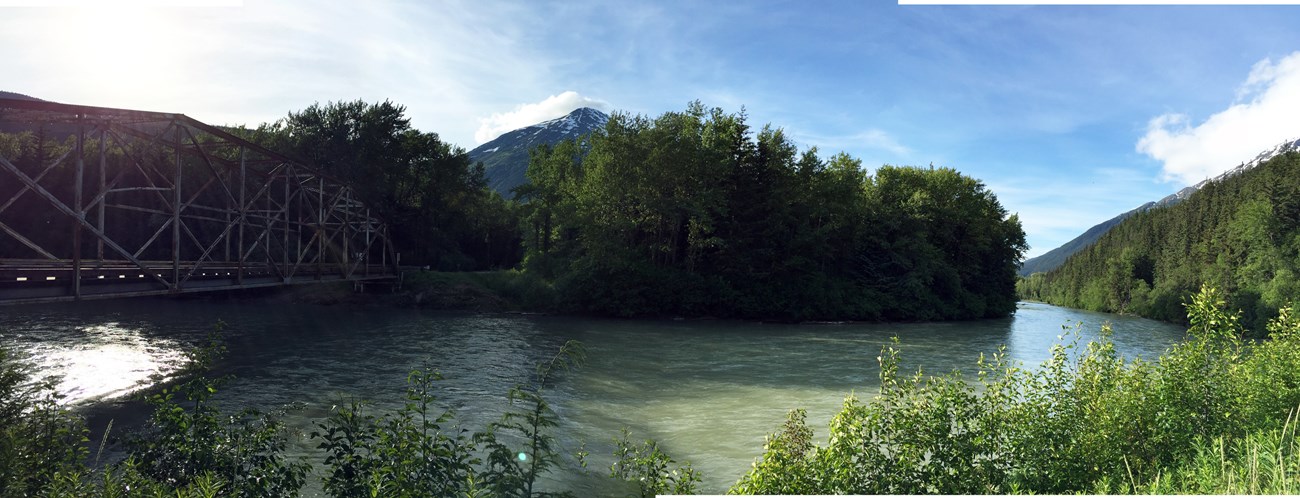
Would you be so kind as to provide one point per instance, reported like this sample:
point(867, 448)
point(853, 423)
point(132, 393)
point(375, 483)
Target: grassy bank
point(502, 290)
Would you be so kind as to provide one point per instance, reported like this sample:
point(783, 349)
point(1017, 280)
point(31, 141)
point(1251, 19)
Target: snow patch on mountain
point(505, 158)
point(1261, 158)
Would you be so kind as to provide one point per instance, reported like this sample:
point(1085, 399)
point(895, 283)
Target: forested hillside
point(1240, 234)
point(693, 214)
point(1055, 257)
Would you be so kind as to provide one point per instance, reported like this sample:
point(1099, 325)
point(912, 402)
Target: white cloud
point(1262, 117)
point(529, 114)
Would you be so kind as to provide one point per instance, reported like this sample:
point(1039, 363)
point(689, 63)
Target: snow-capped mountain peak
point(581, 118)
point(505, 158)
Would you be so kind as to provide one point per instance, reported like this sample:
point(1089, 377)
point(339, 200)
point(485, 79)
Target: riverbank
point(502, 291)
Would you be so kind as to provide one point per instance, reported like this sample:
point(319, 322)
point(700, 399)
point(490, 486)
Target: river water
point(707, 391)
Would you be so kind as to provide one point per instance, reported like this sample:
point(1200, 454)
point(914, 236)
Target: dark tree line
point(433, 197)
point(693, 214)
point(1240, 235)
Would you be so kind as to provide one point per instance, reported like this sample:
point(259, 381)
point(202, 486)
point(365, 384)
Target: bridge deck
point(39, 283)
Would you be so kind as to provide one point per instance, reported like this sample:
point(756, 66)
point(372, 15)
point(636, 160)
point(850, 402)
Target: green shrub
point(40, 440)
point(188, 438)
point(1085, 420)
point(406, 453)
point(520, 446)
point(650, 469)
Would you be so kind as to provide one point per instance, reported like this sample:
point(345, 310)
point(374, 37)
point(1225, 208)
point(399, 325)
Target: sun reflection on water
point(108, 360)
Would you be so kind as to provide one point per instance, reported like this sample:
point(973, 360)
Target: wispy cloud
point(865, 144)
point(1263, 116)
point(879, 139)
point(526, 114)
point(1055, 209)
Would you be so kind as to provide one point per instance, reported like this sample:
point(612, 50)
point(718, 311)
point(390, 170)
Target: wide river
point(708, 391)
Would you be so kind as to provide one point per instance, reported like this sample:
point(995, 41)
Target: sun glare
point(120, 57)
point(111, 360)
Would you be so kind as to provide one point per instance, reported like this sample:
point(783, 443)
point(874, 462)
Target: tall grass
point(1261, 462)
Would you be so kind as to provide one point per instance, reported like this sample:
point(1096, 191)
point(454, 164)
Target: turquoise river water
point(708, 391)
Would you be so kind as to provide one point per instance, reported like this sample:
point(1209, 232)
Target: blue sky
point(1071, 115)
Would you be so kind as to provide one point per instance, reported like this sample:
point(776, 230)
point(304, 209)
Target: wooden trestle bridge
point(100, 203)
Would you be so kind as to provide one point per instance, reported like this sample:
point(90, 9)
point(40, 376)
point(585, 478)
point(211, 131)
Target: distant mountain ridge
point(17, 96)
point(1049, 260)
point(505, 158)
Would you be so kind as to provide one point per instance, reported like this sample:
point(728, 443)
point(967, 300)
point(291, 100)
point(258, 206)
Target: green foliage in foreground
point(1205, 417)
point(188, 439)
point(651, 469)
point(38, 437)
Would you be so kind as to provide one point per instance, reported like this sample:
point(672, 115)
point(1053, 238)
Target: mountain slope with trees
point(1051, 259)
point(1239, 233)
point(505, 158)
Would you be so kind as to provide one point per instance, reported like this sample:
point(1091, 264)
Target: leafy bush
point(187, 438)
point(407, 453)
point(1262, 462)
point(402, 454)
point(40, 440)
point(519, 446)
point(1086, 420)
point(650, 469)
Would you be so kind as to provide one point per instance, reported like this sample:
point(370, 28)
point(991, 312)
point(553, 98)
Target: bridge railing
point(169, 204)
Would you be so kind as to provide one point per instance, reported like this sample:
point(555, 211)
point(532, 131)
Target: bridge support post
point(243, 215)
point(101, 195)
point(320, 229)
point(347, 237)
point(290, 173)
point(176, 215)
point(79, 213)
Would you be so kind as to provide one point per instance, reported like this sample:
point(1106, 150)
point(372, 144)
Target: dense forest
point(1240, 234)
point(693, 214)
